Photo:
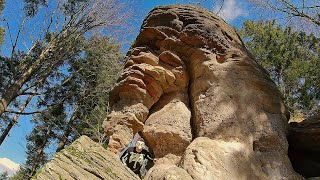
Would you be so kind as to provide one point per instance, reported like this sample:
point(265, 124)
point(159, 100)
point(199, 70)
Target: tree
point(22, 173)
point(41, 70)
point(63, 70)
point(47, 123)
point(292, 59)
point(304, 13)
point(84, 107)
point(4, 175)
point(97, 71)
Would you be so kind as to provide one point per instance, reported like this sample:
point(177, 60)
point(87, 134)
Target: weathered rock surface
point(207, 158)
point(304, 146)
point(167, 172)
point(218, 159)
point(168, 127)
point(85, 159)
point(189, 77)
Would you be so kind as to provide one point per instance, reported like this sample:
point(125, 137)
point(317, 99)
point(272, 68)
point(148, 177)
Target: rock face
point(85, 159)
point(304, 146)
point(196, 93)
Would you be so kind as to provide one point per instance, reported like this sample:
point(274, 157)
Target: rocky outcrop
point(197, 94)
point(304, 146)
point(85, 159)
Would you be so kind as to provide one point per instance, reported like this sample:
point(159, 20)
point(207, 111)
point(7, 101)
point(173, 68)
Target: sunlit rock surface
point(203, 104)
point(197, 94)
point(84, 159)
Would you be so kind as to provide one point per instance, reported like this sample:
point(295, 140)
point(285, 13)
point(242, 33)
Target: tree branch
point(10, 35)
point(14, 120)
point(33, 93)
point(14, 45)
point(21, 113)
point(290, 9)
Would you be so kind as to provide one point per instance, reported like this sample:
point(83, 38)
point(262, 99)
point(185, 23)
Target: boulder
point(168, 129)
point(304, 146)
point(85, 159)
point(207, 159)
point(194, 81)
point(167, 172)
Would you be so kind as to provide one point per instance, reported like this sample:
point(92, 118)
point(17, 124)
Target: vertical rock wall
point(207, 108)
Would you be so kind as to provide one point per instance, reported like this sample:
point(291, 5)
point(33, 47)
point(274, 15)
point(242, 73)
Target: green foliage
point(85, 97)
point(31, 6)
point(47, 125)
point(21, 174)
point(292, 59)
point(70, 6)
point(66, 74)
point(98, 70)
point(4, 176)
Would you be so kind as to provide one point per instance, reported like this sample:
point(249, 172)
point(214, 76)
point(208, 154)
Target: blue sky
point(233, 11)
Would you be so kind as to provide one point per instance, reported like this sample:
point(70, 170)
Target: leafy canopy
point(292, 59)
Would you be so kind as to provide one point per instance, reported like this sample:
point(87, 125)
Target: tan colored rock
point(170, 159)
point(218, 159)
point(122, 125)
point(167, 172)
point(191, 76)
point(83, 160)
point(149, 76)
point(168, 129)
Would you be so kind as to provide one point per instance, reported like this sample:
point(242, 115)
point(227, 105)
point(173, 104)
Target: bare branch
point(200, 2)
point(10, 35)
point(21, 113)
point(14, 119)
point(14, 45)
point(33, 93)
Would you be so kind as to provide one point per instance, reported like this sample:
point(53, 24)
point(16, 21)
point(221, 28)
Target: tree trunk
point(67, 131)
point(14, 120)
point(40, 151)
point(14, 89)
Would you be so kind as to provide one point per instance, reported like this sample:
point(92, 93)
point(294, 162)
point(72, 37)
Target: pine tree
point(46, 125)
point(41, 70)
point(292, 59)
point(4, 176)
point(79, 106)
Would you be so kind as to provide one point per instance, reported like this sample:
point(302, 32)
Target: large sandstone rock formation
point(207, 108)
point(84, 159)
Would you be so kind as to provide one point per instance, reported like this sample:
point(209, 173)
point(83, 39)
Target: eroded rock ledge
point(85, 159)
point(207, 108)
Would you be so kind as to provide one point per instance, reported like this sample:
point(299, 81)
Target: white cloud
point(9, 166)
point(230, 10)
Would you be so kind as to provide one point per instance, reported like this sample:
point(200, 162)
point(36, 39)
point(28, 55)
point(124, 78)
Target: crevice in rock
point(194, 152)
point(76, 167)
point(93, 173)
point(191, 102)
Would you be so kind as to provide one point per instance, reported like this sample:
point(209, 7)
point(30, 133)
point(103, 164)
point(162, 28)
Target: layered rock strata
point(85, 159)
point(197, 94)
